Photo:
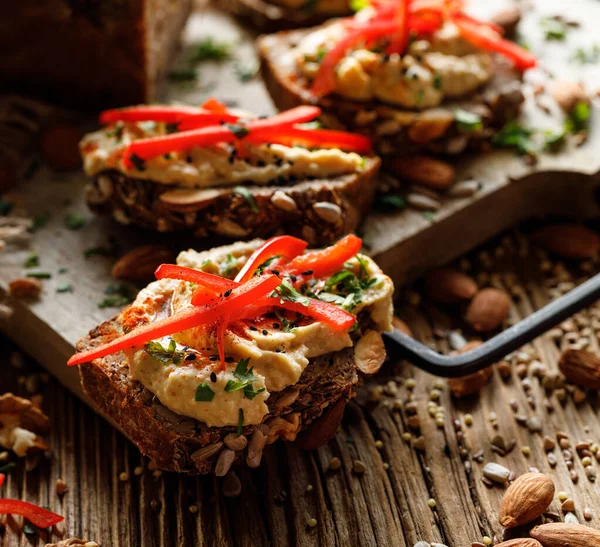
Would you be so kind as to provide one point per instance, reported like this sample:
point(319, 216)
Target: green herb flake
point(586, 57)
point(165, 355)
point(389, 202)
point(437, 81)
point(116, 296)
point(466, 121)
point(210, 49)
point(98, 251)
point(579, 118)
point(514, 135)
point(240, 427)
point(183, 75)
point(239, 130)
point(63, 270)
point(204, 394)
point(32, 260)
point(39, 275)
point(64, 287)
point(7, 468)
point(245, 377)
point(75, 221)
point(429, 216)
point(246, 71)
point(553, 140)
point(553, 28)
point(247, 195)
point(39, 221)
point(266, 264)
point(116, 132)
point(286, 292)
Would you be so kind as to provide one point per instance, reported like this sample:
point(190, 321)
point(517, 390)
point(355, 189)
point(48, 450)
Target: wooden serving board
point(405, 244)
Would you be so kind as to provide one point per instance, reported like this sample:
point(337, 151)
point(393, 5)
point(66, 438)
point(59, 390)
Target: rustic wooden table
point(115, 499)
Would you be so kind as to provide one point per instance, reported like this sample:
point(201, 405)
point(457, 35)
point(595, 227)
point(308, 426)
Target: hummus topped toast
point(237, 347)
point(210, 170)
point(411, 75)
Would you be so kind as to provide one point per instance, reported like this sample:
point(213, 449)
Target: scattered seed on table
point(359, 467)
point(568, 505)
point(431, 502)
point(309, 488)
point(311, 522)
point(496, 472)
point(193, 509)
point(335, 463)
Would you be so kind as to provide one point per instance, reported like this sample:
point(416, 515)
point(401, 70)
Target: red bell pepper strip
point(326, 261)
point(317, 138)
point(459, 15)
point(38, 516)
point(486, 39)
point(183, 320)
point(2, 477)
point(157, 113)
point(287, 246)
point(399, 42)
point(215, 283)
point(215, 106)
point(210, 136)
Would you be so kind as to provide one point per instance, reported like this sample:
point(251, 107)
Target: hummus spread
point(217, 165)
point(432, 70)
point(277, 348)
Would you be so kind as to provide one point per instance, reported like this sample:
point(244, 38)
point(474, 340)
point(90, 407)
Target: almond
point(430, 125)
point(449, 286)
point(59, 146)
point(526, 499)
point(488, 309)
point(401, 326)
point(520, 542)
point(560, 534)
point(25, 287)
point(581, 367)
point(567, 94)
point(369, 352)
point(140, 264)
point(471, 383)
point(425, 170)
point(568, 240)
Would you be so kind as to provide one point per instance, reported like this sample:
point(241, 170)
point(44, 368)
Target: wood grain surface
point(388, 504)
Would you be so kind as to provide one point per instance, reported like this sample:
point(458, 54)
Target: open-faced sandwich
point(239, 346)
point(273, 15)
point(410, 74)
point(210, 170)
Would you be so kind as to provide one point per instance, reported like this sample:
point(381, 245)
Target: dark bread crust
point(229, 214)
point(496, 102)
point(269, 17)
point(170, 440)
point(89, 53)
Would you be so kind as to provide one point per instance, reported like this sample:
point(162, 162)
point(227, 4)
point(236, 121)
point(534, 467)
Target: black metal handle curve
point(404, 347)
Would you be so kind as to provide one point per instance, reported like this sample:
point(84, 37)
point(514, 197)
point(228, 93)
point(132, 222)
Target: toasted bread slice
point(270, 17)
point(394, 130)
point(185, 445)
point(319, 211)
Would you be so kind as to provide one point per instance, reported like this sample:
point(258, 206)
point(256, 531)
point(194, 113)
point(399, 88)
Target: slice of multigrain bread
point(319, 211)
point(185, 445)
point(394, 130)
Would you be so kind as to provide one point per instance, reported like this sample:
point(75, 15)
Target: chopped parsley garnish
point(347, 282)
point(247, 195)
point(246, 71)
point(183, 75)
point(229, 266)
point(466, 121)
point(245, 377)
point(590, 56)
point(553, 140)
point(553, 28)
point(240, 427)
point(204, 394)
point(75, 221)
point(139, 163)
point(32, 260)
point(239, 130)
point(98, 251)
point(210, 49)
point(39, 221)
point(579, 117)
point(117, 296)
point(117, 132)
point(64, 287)
point(419, 98)
point(429, 216)
point(389, 202)
point(514, 135)
point(437, 81)
point(286, 292)
point(266, 264)
point(165, 355)
point(39, 275)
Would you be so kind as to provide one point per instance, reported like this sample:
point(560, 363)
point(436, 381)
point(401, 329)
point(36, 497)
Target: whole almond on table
point(560, 534)
point(140, 264)
point(488, 309)
point(448, 286)
point(581, 367)
point(27, 288)
point(526, 499)
point(568, 240)
point(425, 170)
point(471, 383)
point(520, 542)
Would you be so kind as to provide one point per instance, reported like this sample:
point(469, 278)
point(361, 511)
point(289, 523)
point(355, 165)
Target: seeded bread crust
point(172, 441)
point(270, 17)
point(319, 211)
point(394, 130)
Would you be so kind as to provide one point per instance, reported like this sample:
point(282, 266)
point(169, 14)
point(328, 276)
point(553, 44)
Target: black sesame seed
point(265, 332)
point(229, 359)
point(213, 377)
point(278, 162)
point(227, 293)
point(275, 272)
point(190, 357)
point(293, 278)
point(277, 350)
point(276, 325)
point(307, 272)
point(252, 327)
point(189, 159)
point(260, 163)
point(214, 357)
